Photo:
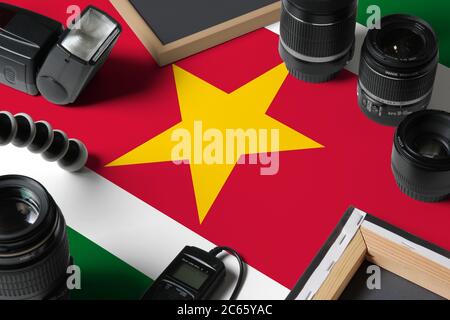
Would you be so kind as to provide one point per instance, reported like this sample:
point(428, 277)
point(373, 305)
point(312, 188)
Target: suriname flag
point(134, 208)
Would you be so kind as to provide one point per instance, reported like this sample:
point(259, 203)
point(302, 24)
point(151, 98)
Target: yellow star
point(201, 102)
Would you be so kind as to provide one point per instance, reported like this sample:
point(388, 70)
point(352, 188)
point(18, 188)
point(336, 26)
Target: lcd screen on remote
point(190, 275)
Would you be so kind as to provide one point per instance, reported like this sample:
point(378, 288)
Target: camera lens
point(421, 156)
point(34, 251)
point(398, 68)
point(317, 37)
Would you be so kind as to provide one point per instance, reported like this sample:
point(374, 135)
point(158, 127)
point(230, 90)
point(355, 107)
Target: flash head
point(91, 35)
point(78, 55)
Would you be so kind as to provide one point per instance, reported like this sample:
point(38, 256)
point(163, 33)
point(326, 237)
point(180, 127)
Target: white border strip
point(424, 252)
point(333, 255)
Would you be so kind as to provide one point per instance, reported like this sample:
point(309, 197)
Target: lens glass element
point(18, 210)
point(431, 147)
point(401, 43)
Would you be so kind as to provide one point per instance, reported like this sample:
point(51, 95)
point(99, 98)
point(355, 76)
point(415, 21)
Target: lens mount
point(397, 69)
point(421, 155)
point(317, 40)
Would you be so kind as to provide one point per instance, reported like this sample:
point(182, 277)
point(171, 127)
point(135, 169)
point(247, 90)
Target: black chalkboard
point(173, 20)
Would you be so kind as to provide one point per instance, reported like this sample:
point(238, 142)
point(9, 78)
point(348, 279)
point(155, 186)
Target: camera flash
point(76, 58)
point(91, 35)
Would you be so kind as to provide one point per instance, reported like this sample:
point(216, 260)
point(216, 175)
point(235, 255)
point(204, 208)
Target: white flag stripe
point(122, 224)
point(441, 93)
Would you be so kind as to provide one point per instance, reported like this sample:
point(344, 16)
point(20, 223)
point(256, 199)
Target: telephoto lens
point(421, 156)
point(398, 68)
point(317, 37)
point(34, 250)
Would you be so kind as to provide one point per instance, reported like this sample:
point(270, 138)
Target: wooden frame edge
point(177, 50)
point(343, 270)
point(407, 263)
point(139, 27)
point(360, 236)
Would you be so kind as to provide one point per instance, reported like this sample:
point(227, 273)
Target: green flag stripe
point(435, 12)
point(104, 276)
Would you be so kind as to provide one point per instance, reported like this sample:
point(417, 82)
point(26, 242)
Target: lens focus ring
point(38, 279)
point(415, 191)
point(316, 40)
point(395, 90)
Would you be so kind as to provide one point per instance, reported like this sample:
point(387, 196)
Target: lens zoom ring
point(317, 41)
point(395, 90)
point(37, 279)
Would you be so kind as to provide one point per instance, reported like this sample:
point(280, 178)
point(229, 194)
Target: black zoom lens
point(421, 156)
point(34, 250)
point(397, 70)
point(317, 37)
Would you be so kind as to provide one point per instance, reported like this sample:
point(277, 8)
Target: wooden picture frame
point(360, 237)
point(218, 34)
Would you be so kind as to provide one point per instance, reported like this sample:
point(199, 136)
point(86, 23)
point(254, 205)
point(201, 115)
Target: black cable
point(242, 269)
